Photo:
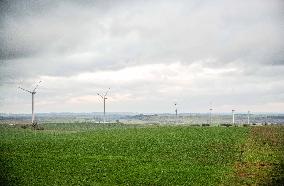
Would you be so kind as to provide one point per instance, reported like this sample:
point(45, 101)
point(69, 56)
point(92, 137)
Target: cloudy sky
point(227, 53)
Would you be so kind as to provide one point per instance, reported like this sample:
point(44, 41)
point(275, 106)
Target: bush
point(39, 128)
point(205, 125)
point(195, 125)
point(226, 125)
point(24, 126)
point(36, 126)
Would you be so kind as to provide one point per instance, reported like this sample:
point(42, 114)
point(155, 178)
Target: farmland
point(117, 154)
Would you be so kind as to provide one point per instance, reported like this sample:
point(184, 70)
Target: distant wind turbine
point(233, 116)
point(248, 117)
point(104, 100)
point(176, 112)
point(210, 113)
point(33, 92)
point(210, 116)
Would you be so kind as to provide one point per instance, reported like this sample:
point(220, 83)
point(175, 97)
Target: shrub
point(24, 126)
point(205, 125)
point(195, 125)
point(39, 128)
point(226, 125)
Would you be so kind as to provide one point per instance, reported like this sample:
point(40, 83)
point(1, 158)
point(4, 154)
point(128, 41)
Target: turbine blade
point(37, 86)
point(100, 95)
point(107, 92)
point(25, 90)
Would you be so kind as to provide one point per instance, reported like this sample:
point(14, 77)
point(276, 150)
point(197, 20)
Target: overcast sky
point(227, 53)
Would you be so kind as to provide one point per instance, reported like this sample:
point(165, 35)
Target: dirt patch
point(242, 169)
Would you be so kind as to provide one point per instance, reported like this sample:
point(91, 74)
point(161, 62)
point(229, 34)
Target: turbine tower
point(176, 111)
point(210, 115)
point(104, 100)
point(33, 92)
point(233, 116)
point(248, 117)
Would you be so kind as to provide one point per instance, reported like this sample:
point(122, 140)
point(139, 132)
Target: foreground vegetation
point(88, 154)
point(262, 160)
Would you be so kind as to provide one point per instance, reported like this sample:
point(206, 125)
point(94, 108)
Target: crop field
point(117, 154)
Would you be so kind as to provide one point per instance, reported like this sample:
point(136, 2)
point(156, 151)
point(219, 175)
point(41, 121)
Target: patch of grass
point(88, 154)
point(262, 161)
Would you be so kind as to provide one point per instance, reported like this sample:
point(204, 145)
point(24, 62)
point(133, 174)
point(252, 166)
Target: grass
point(117, 154)
point(262, 162)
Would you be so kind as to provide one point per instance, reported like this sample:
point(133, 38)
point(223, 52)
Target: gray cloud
point(67, 38)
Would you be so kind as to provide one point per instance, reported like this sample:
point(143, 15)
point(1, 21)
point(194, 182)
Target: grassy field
point(89, 154)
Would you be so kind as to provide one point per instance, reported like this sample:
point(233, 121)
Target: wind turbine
point(248, 117)
point(33, 92)
point(233, 116)
point(176, 112)
point(210, 115)
point(104, 99)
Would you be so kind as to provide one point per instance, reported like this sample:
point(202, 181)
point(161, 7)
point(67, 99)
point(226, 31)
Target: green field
point(89, 154)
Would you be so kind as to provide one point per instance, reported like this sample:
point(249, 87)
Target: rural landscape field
point(141, 92)
point(119, 154)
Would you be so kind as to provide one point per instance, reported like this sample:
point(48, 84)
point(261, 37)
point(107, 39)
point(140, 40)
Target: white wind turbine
point(33, 92)
point(104, 100)
point(248, 117)
point(210, 113)
point(176, 112)
point(233, 116)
